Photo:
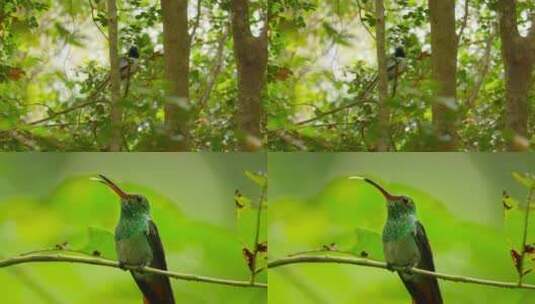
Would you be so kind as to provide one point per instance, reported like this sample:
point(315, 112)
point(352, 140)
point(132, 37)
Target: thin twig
point(216, 70)
point(524, 238)
point(470, 101)
point(38, 258)
point(377, 264)
point(68, 110)
point(360, 9)
point(257, 233)
point(465, 22)
point(95, 21)
point(197, 22)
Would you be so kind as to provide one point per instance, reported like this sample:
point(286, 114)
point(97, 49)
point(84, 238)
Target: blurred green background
point(47, 199)
point(458, 198)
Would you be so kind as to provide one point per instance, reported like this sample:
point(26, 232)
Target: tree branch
point(215, 71)
point(68, 110)
point(95, 20)
point(257, 233)
point(196, 23)
point(38, 258)
point(465, 21)
point(524, 237)
point(485, 65)
point(378, 264)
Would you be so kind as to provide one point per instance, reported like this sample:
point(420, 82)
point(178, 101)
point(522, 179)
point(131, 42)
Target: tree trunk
point(519, 57)
point(176, 42)
point(444, 69)
point(382, 85)
point(251, 60)
point(115, 80)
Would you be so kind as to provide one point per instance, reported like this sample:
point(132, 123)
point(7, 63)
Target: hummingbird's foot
point(122, 265)
point(390, 266)
point(407, 269)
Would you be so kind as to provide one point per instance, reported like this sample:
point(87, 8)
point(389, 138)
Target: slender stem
point(378, 264)
point(524, 238)
point(257, 233)
point(38, 258)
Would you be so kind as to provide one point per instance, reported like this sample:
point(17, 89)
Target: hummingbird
point(138, 243)
point(405, 244)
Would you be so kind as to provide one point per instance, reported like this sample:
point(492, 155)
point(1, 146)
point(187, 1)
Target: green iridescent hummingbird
point(138, 243)
point(405, 244)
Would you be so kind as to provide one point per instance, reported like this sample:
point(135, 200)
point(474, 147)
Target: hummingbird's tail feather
point(156, 289)
point(423, 290)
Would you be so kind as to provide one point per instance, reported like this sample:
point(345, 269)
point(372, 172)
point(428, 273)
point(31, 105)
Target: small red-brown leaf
point(262, 247)
point(283, 74)
point(529, 248)
point(16, 73)
point(62, 246)
point(505, 197)
point(249, 258)
point(237, 196)
point(329, 247)
point(516, 260)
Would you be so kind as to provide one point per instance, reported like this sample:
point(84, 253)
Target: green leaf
point(258, 178)
point(524, 179)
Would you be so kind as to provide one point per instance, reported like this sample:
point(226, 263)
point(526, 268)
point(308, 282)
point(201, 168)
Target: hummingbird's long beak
point(389, 197)
point(106, 181)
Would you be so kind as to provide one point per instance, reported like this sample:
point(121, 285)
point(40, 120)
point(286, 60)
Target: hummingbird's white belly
point(135, 250)
point(402, 252)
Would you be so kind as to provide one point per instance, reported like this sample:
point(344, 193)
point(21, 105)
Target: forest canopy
point(463, 82)
point(176, 91)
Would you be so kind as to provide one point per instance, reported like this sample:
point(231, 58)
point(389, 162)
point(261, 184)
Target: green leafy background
point(465, 227)
point(49, 199)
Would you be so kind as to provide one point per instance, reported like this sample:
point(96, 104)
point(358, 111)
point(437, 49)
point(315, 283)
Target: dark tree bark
point(176, 41)
point(382, 85)
point(444, 69)
point(115, 80)
point(519, 57)
point(251, 59)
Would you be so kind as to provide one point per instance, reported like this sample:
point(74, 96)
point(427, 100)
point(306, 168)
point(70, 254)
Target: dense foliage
point(324, 59)
point(54, 93)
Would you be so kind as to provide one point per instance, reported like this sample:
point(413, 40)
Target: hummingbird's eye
point(405, 200)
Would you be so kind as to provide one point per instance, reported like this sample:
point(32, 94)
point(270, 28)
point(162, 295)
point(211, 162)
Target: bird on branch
point(127, 67)
point(395, 66)
point(405, 244)
point(138, 243)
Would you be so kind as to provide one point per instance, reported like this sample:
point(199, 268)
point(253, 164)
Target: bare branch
point(216, 70)
point(95, 21)
point(197, 21)
point(68, 110)
point(465, 21)
point(524, 237)
point(378, 264)
point(483, 72)
point(40, 258)
point(257, 232)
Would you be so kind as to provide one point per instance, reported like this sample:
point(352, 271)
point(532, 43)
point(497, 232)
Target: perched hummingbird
point(138, 244)
point(405, 244)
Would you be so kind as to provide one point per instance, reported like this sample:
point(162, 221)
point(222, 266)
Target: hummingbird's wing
point(426, 255)
point(423, 289)
point(155, 288)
